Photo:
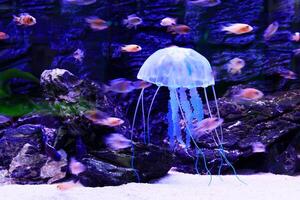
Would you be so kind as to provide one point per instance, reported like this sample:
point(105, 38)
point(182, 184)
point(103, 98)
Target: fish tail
point(125, 21)
point(105, 88)
point(16, 19)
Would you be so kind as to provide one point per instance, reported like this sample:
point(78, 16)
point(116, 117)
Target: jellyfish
point(182, 71)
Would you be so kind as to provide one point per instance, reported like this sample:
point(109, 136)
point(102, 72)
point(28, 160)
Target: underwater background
point(45, 112)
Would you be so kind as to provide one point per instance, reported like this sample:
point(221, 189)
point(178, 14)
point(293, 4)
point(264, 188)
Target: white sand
point(175, 186)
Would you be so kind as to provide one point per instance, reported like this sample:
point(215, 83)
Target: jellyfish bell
point(177, 67)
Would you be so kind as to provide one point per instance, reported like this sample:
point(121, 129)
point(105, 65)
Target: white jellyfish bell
point(182, 70)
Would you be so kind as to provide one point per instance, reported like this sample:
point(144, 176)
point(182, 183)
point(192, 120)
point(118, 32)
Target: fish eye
point(30, 19)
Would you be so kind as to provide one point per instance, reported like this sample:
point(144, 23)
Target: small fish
point(97, 24)
point(207, 125)
point(258, 147)
point(168, 21)
point(120, 85)
point(271, 30)
point(101, 118)
point(111, 121)
point(179, 29)
point(76, 167)
point(132, 21)
point(249, 94)
point(116, 141)
point(3, 36)
point(295, 37)
point(288, 74)
point(52, 152)
point(235, 65)
point(296, 52)
point(205, 3)
point(237, 28)
point(24, 19)
point(131, 48)
point(78, 55)
point(67, 186)
point(141, 84)
point(80, 2)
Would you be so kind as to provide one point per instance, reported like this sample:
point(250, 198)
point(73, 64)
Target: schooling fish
point(3, 36)
point(207, 125)
point(80, 2)
point(76, 167)
point(52, 152)
point(249, 94)
point(131, 48)
point(296, 52)
point(179, 29)
point(120, 85)
point(295, 37)
point(141, 84)
point(237, 28)
point(97, 24)
point(24, 19)
point(271, 30)
point(116, 141)
point(168, 21)
point(205, 3)
point(111, 121)
point(235, 65)
point(78, 55)
point(288, 74)
point(67, 186)
point(101, 118)
point(132, 21)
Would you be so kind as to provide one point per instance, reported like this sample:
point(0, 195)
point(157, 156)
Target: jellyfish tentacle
point(218, 111)
point(170, 125)
point(221, 150)
point(175, 116)
point(185, 104)
point(196, 104)
point(193, 140)
point(131, 136)
point(149, 112)
point(144, 120)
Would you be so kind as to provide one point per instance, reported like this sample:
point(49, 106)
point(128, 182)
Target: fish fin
point(132, 15)
point(16, 19)
point(105, 88)
point(125, 21)
point(170, 29)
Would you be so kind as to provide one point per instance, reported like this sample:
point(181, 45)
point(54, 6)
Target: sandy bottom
point(175, 186)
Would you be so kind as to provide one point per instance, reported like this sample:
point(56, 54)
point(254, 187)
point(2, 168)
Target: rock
point(151, 162)
point(5, 121)
point(26, 166)
point(272, 121)
point(14, 139)
point(55, 170)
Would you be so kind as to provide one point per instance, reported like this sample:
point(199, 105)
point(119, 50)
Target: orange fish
point(141, 84)
point(179, 29)
point(237, 28)
point(3, 36)
point(249, 94)
point(207, 125)
point(97, 24)
point(296, 37)
point(67, 186)
point(111, 121)
point(24, 19)
point(132, 21)
point(101, 118)
point(131, 48)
